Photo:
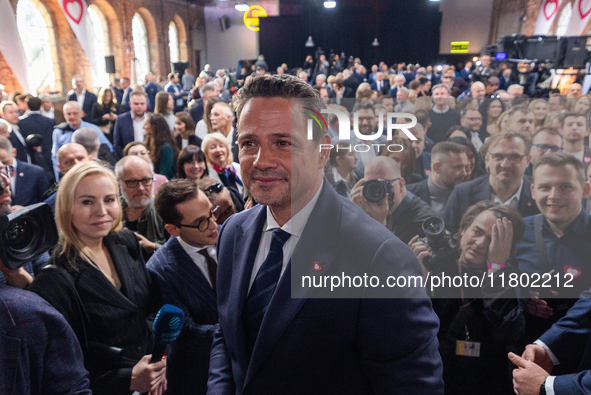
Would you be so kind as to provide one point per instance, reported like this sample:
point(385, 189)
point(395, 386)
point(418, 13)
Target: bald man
point(68, 156)
point(62, 134)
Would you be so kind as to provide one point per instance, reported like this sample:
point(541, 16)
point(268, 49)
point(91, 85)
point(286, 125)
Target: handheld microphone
point(167, 327)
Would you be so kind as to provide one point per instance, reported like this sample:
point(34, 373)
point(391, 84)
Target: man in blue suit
point(276, 336)
point(184, 271)
point(28, 182)
point(176, 90)
point(507, 158)
point(35, 123)
point(565, 343)
point(85, 98)
point(151, 89)
point(129, 126)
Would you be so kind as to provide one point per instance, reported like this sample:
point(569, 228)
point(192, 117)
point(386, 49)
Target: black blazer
point(89, 100)
point(98, 111)
point(117, 317)
point(39, 124)
point(197, 111)
point(468, 193)
point(193, 140)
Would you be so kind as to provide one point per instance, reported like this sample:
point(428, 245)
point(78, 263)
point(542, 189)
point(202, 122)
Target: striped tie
point(264, 286)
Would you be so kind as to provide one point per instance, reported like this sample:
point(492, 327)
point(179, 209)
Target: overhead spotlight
point(474, 58)
point(310, 42)
point(375, 43)
point(330, 4)
point(434, 1)
point(242, 7)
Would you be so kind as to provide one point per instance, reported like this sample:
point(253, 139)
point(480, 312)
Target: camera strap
point(541, 246)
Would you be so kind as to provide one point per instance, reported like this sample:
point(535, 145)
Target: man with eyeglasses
point(544, 141)
point(506, 159)
point(184, 271)
point(400, 211)
point(367, 125)
point(226, 199)
point(574, 130)
point(136, 181)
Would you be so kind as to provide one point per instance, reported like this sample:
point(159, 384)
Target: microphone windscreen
point(168, 324)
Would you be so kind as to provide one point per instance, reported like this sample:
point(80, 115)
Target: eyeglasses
point(545, 147)
point(204, 223)
point(134, 183)
point(7, 170)
point(215, 188)
point(513, 158)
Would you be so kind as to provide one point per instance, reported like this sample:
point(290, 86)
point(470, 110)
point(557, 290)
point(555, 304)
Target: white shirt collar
point(295, 226)
point(191, 249)
point(513, 201)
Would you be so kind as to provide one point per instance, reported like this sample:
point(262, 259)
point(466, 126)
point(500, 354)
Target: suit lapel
point(526, 201)
point(483, 191)
point(10, 348)
point(245, 246)
point(188, 273)
point(318, 243)
point(94, 281)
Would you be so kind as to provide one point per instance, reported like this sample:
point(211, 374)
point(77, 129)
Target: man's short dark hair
point(547, 130)
point(284, 86)
point(521, 109)
point(33, 102)
point(363, 106)
point(572, 114)
point(510, 135)
point(560, 159)
point(446, 148)
point(500, 212)
point(423, 80)
point(170, 194)
point(423, 118)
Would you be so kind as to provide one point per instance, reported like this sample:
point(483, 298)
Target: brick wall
point(157, 15)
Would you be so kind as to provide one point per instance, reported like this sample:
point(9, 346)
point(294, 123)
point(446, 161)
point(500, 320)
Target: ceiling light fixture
point(310, 42)
point(242, 7)
point(330, 4)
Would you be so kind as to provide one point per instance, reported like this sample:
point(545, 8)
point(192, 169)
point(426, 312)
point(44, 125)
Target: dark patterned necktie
point(212, 267)
point(264, 286)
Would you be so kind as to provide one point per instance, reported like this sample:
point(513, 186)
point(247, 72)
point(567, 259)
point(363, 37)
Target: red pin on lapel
point(317, 266)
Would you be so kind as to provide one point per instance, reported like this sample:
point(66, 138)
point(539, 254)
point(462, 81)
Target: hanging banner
point(76, 12)
point(546, 16)
point(579, 18)
point(11, 47)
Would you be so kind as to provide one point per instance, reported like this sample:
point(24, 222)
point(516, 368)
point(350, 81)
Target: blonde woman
point(582, 105)
point(540, 108)
point(103, 288)
point(105, 110)
point(502, 122)
point(220, 161)
point(165, 107)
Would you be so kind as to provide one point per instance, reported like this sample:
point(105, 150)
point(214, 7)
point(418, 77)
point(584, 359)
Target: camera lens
point(374, 191)
point(21, 234)
point(433, 226)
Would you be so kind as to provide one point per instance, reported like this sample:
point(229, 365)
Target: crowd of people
point(196, 193)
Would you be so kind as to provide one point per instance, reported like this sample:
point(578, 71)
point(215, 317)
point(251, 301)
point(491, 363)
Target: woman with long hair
point(184, 128)
point(105, 110)
point(582, 105)
point(165, 107)
point(140, 149)
point(204, 125)
point(163, 149)
point(540, 108)
point(101, 285)
point(490, 109)
point(191, 163)
point(220, 161)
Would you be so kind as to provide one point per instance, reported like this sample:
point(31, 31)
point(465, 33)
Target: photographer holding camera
point(383, 196)
point(476, 323)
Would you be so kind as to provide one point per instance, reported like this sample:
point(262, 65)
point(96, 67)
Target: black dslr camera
point(26, 234)
point(439, 240)
point(375, 190)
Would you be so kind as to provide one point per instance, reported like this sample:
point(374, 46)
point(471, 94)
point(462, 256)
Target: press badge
point(467, 348)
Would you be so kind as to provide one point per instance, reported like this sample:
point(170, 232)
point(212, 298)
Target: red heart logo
point(547, 14)
point(581, 13)
point(317, 266)
point(73, 9)
point(575, 271)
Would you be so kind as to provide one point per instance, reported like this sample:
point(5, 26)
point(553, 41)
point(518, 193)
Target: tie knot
point(281, 236)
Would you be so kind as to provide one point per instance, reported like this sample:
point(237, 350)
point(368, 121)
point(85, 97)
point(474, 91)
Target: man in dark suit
point(39, 353)
point(565, 343)
point(399, 81)
point(85, 98)
point(9, 112)
point(277, 336)
point(126, 87)
point(207, 92)
point(151, 89)
point(129, 126)
point(184, 271)
point(507, 158)
point(28, 182)
point(35, 123)
point(380, 85)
